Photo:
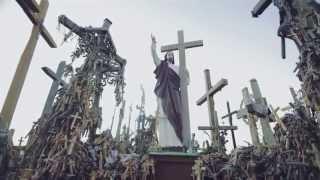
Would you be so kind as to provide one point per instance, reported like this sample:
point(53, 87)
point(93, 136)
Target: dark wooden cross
point(213, 120)
point(36, 14)
point(229, 115)
point(57, 81)
point(20, 141)
point(181, 47)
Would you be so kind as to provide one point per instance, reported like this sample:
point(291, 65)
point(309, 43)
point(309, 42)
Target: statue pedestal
point(173, 165)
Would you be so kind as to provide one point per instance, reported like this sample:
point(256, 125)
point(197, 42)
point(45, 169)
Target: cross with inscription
point(181, 47)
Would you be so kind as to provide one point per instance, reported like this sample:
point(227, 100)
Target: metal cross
point(181, 47)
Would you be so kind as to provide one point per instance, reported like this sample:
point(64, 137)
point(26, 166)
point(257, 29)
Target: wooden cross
point(181, 47)
point(244, 114)
point(56, 77)
point(214, 123)
point(121, 116)
point(36, 14)
point(264, 120)
point(20, 141)
point(230, 114)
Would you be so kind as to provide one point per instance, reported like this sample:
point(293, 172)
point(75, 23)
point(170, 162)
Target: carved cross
point(181, 47)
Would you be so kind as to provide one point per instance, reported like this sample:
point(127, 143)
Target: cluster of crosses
point(254, 108)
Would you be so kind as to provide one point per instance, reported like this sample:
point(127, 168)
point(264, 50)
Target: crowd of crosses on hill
point(64, 142)
point(292, 151)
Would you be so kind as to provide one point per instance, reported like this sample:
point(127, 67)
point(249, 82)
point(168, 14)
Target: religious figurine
point(167, 89)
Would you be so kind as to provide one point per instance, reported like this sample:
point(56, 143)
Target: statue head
point(106, 23)
point(169, 57)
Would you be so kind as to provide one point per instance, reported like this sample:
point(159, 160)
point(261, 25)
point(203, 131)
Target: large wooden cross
point(181, 47)
point(57, 81)
point(213, 119)
point(265, 118)
point(36, 14)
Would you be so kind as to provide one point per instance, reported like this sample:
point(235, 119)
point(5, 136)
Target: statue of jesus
point(167, 90)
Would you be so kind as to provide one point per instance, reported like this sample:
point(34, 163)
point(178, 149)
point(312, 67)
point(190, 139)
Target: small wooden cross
point(20, 141)
point(229, 115)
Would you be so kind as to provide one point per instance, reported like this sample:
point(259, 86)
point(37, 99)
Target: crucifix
point(181, 47)
point(229, 115)
point(213, 118)
point(36, 14)
point(57, 81)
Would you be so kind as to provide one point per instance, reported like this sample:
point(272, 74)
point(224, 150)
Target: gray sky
point(236, 46)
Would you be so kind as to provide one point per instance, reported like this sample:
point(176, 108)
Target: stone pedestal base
point(173, 165)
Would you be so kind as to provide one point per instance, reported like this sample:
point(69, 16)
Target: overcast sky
point(236, 46)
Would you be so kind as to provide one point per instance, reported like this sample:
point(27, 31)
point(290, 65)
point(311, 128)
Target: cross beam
point(223, 128)
point(32, 10)
point(181, 46)
point(260, 7)
point(216, 88)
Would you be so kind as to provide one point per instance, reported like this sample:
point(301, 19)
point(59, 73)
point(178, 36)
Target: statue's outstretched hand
point(154, 42)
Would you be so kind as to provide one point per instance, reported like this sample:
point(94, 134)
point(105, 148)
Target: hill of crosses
point(65, 143)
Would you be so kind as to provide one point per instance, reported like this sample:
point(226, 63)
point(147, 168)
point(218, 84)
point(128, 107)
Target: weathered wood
point(251, 119)
point(55, 84)
point(17, 83)
point(213, 117)
point(181, 47)
point(223, 128)
point(187, 45)
point(217, 87)
point(264, 121)
point(56, 76)
point(32, 10)
point(230, 114)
